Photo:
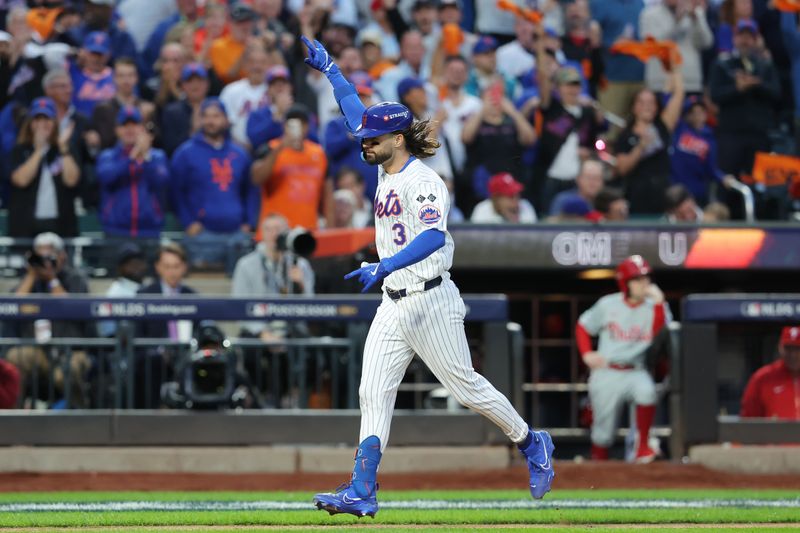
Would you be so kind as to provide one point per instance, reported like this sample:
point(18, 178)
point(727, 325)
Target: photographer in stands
point(270, 270)
point(276, 267)
point(49, 274)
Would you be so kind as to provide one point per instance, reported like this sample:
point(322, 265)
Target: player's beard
point(375, 158)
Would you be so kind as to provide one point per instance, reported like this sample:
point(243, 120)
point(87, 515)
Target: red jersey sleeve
point(583, 339)
point(659, 318)
point(9, 385)
point(751, 399)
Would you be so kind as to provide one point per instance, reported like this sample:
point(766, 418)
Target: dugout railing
point(303, 368)
point(303, 365)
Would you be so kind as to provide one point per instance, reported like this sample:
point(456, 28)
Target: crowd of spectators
point(132, 110)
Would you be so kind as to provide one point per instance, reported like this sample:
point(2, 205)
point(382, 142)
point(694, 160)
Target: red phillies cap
point(790, 336)
point(504, 184)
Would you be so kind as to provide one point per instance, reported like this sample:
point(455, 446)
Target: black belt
point(402, 293)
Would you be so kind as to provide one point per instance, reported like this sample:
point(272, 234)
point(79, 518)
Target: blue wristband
point(421, 247)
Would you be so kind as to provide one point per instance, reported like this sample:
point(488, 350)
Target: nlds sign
point(118, 310)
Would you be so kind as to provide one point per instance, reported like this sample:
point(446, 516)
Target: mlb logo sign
point(102, 310)
point(752, 309)
point(429, 215)
point(258, 310)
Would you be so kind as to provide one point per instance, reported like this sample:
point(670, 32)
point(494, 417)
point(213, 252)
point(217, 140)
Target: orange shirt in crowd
point(225, 52)
point(200, 39)
point(296, 185)
point(380, 67)
point(772, 392)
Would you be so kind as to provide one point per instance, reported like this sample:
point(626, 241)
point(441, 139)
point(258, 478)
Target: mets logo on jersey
point(429, 215)
point(390, 207)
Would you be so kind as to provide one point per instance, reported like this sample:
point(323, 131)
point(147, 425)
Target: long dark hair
point(25, 135)
point(419, 141)
point(632, 105)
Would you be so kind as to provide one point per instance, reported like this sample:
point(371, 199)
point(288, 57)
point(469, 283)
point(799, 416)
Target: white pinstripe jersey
point(406, 204)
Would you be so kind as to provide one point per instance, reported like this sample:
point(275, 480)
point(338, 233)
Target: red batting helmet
point(632, 267)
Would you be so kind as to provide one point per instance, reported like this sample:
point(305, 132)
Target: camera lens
point(298, 241)
point(303, 244)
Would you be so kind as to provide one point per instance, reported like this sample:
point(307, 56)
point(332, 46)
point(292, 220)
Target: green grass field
point(605, 510)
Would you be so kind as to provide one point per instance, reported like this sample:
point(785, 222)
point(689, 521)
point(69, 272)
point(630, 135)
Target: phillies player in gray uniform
point(626, 323)
point(421, 311)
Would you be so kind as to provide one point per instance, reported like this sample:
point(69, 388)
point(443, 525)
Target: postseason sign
point(483, 308)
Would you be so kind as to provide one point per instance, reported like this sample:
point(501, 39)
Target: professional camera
point(299, 241)
point(42, 261)
point(208, 378)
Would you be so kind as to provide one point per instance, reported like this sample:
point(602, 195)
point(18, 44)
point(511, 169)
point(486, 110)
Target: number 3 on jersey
point(399, 234)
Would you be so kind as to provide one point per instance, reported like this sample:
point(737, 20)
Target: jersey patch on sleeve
point(429, 214)
point(421, 199)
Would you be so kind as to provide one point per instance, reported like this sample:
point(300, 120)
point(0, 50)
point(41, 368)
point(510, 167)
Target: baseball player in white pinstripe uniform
point(422, 311)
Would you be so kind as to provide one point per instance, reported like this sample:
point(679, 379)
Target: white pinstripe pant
point(430, 324)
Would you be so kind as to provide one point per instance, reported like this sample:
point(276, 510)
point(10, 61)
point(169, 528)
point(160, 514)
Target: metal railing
point(747, 200)
point(48, 370)
point(122, 372)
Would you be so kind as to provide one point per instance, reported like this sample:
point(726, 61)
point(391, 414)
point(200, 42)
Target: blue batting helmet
point(384, 118)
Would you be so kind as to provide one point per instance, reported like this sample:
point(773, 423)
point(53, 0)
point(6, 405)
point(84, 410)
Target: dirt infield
point(610, 475)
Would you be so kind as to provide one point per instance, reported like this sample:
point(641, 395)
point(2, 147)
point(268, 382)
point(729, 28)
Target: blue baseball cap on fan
point(408, 84)
point(691, 102)
point(213, 101)
point(384, 118)
point(42, 107)
point(575, 205)
point(193, 69)
point(98, 42)
point(747, 25)
point(485, 44)
point(129, 113)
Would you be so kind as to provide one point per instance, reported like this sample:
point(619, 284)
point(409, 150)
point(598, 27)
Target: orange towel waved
point(665, 51)
point(530, 15)
point(452, 37)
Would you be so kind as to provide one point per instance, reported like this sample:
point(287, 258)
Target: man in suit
point(154, 365)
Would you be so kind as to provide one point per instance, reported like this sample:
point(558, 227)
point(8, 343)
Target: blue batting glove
point(369, 274)
point(319, 58)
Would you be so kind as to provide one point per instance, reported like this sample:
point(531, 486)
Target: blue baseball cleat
point(539, 456)
point(358, 496)
point(345, 500)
